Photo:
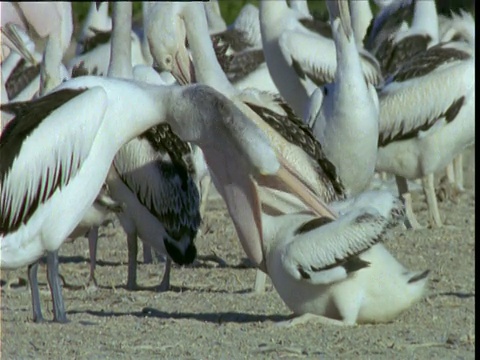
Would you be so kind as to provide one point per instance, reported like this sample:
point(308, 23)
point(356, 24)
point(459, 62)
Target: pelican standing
point(347, 122)
point(458, 27)
point(291, 52)
point(154, 177)
point(426, 119)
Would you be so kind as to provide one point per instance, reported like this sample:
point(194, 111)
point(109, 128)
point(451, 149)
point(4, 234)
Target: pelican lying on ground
point(316, 260)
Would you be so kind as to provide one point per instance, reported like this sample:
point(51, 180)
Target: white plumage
point(347, 122)
point(312, 272)
point(426, 117)
point(292, 54)
point(69, 169)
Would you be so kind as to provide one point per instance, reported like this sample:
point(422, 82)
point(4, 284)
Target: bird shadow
point(200, 263)
point(23, 283)
point(217, 318)
point(458, 294)
point(76, 259)
point(173, 288)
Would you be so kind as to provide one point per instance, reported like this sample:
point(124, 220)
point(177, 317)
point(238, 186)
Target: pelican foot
point(260, 279)
point(14, 283)
point(450, 191)
point(91, 283)
point(131, 286)
point(165, 284)
point(213, 257)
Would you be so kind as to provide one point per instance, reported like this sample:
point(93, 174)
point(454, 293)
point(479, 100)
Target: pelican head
point(169, 54)
point(216, 115)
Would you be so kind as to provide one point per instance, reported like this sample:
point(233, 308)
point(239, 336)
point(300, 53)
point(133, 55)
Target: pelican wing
point(325, 250)
point(387, 22)
point(20, 77)
point(174, 199)
point(100, 37)
point(234, 38)
point(283, 120)
point(302, 53)
point(44, 147)
point(243, 63)
point(427, 90)
point(322, 28)
point(393, 54)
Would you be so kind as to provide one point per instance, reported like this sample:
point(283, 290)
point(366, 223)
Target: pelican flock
point(290, 117)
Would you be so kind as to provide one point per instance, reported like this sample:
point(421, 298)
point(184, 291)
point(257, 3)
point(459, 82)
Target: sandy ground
point(209, 313)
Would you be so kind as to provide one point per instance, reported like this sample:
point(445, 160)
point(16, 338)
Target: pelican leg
point(473, 169)
point(450, 173)
point(205, 188)
point(147, 254)
point(458, 169)
point(151, 256)
point(410, 219)
point(132, 261)
point(92, 247)
point(59, 314)
point(157, 257)
point(165, 284)
point(260, 278)
point(429, 191)
point(214, 258)
point(303, 319)
point(450, 188)
point(33, 281)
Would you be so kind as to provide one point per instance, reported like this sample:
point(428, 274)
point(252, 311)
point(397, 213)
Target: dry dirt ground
point(209, 313)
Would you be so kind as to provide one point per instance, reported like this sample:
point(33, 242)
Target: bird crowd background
point(231, 8)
